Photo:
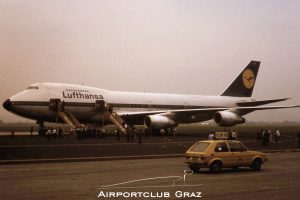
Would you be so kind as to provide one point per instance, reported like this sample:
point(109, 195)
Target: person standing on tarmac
point(259, 135)
point(272, 136)
point(103, 132)
point(60, 133)
point(264, 138)
point(277, 136)
point(298, 140)
point(234, 134)
point(267, 135)
point(117, 132)
point(211, 136)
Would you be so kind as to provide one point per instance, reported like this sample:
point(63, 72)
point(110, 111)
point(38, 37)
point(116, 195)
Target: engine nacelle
point(227, 118)
point(158, 122)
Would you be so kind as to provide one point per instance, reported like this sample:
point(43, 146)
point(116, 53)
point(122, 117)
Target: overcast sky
point(184, 46)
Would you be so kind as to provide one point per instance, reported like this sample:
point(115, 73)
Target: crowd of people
point(268, 135)
point(53, 132)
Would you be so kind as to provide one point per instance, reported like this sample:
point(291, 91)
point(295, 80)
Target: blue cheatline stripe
point(115, 105)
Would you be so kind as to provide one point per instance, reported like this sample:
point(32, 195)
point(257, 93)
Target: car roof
point(213, 141)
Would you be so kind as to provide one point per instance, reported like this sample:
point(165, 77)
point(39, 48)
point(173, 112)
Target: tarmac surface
point(279, 179)
point(21, 149)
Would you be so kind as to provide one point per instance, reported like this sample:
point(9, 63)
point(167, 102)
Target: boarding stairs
point(70, 119)
point(116, 120)
point(55, 105)
point(108, 113)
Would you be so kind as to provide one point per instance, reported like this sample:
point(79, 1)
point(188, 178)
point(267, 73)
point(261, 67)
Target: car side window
point(221, 147)
point(237, 147)
point(243, 147)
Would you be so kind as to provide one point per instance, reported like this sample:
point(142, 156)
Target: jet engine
point(227, 118)
point(158, 122)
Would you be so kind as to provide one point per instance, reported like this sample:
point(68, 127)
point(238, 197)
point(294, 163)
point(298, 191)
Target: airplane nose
point(7, 105)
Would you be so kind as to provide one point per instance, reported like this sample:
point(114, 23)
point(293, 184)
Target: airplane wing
point(246, 110)
point(180, 115)
point(259, 102)
point(203, 114)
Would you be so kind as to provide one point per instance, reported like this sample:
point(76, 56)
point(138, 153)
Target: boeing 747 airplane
point(78, 105)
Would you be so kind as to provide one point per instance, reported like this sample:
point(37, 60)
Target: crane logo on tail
point(248, 78)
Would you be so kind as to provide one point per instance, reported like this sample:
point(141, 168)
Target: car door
point(222, 152)
point(235, 150)
point(245, 156)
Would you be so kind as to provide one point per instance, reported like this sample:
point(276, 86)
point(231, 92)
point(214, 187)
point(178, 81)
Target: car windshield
point(200, 147)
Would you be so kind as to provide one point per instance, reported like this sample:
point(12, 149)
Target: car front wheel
point(256, 164)
point(215, 167)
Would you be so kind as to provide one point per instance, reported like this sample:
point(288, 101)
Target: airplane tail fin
point(243, 85)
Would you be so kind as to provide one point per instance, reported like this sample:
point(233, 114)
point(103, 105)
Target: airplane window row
point(131, 105)
point(79, 104)
point(150, 106)
point(29, 103)
point(32, 88)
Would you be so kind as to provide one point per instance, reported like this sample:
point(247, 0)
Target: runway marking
point(144, 179)
point(178, 178)
point(151, 186)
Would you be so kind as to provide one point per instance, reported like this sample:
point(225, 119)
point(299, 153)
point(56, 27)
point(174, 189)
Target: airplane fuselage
point(33, 102)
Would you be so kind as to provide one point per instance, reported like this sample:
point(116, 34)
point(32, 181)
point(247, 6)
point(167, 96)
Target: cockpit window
point(32, 88)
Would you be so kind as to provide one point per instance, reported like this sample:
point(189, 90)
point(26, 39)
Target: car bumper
point(196, 163)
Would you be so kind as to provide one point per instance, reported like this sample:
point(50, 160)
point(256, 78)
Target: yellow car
point(218, 154)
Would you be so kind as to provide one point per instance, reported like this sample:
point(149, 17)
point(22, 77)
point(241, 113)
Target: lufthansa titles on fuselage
point(80, 94)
